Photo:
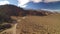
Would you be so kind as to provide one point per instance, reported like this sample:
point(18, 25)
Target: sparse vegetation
point(5, 18)
point(36, 22)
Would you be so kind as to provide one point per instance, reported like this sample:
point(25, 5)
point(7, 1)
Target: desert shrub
point(4, 17)
point(4, 27)
point(6, 11)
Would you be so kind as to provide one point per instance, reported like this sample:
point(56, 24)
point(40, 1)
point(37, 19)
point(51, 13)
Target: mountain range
point(13, 10)
point(43, 5)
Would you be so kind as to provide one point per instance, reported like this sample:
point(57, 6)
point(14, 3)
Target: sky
point(34, 4)
point(3, 2)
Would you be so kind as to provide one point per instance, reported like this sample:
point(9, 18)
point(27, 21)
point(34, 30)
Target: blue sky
point(3, 2)
point(34, 4)
point(15, 2)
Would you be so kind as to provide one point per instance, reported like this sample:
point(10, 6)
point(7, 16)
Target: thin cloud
point(36, 1)
point(23, 6)
point(50, 10)
point(22, 3)
point(4, 2)
point(51, 0)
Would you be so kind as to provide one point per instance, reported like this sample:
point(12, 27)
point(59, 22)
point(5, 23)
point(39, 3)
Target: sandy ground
point(39, 25)
point(36, 25)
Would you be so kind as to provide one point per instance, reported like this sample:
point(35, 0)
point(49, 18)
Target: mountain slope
point(11, 9)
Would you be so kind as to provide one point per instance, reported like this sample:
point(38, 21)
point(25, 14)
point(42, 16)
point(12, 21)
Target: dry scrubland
point(28, 21)
point(39, 25)
point(36, 25)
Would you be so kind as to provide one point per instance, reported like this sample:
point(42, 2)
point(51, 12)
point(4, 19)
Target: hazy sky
point(23, 2)
point(33, 3)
